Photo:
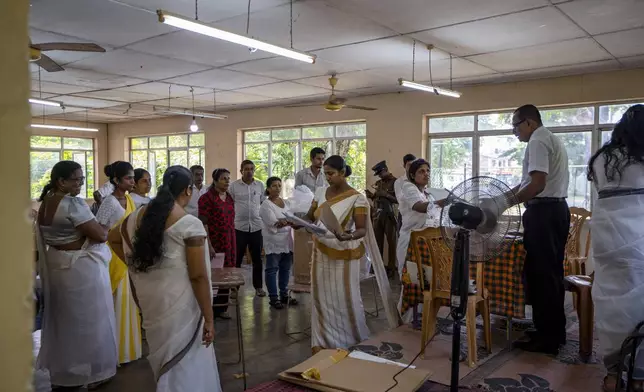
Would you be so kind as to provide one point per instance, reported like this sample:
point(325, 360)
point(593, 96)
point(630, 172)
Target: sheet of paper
point(307, 225)
point(327, 217)
point(373, 358)
point(439, 194)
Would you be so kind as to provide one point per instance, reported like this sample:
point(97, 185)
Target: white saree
point(172, 318)
point(338, 318)
point(618, 253)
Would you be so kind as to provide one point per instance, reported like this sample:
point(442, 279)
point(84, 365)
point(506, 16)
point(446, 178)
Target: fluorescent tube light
point(195, 26)
point(430, 89)
point(64, 127)
point(186, 112)
point(43, 102)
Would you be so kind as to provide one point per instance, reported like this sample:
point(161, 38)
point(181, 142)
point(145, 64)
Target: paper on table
point(307, 225)
point(373, 358)
point(327, 217)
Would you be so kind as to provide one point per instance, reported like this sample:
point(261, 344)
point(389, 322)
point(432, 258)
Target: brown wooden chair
point(438, 294)
point(575, 262)
point(581, 287)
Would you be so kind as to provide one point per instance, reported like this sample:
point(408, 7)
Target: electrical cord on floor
point(410, 363)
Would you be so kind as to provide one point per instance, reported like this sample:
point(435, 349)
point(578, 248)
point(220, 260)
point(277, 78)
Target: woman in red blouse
point(217, 211)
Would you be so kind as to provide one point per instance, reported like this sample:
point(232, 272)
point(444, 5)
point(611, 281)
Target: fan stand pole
point(458, 301)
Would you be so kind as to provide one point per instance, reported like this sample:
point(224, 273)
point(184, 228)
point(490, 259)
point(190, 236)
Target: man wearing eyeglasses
point(546, 221)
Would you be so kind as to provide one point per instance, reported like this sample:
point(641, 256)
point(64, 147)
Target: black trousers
point(253, 241)
point(545, 234)
point(385, 225)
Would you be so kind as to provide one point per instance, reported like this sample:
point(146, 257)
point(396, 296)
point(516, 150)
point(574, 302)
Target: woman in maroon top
point(217, 211)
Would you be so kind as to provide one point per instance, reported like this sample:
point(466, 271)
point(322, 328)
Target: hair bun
point(347, 170)
point(108, 170)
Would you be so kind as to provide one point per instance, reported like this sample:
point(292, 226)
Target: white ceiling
point(369, 43)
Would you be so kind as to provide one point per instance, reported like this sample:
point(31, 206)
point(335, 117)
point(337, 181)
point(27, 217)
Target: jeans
point(278, 267)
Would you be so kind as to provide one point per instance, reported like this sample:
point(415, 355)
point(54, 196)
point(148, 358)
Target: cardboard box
point(338, 372)
point(302, 254)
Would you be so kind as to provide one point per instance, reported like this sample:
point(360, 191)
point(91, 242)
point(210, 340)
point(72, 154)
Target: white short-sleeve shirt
point(546, 153)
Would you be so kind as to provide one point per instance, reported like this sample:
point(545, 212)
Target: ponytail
point(45, 191)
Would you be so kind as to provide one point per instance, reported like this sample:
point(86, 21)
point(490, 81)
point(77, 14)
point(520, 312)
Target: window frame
point(595, 129)
point(167, 149)
point(61, 152)
point(300, 160)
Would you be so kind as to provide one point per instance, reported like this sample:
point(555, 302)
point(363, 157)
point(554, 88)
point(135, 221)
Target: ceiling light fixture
point(64, 127)
point(195, 26)
point(194, 127)
point(44, 102)
point(431, 89)
point(187, 112)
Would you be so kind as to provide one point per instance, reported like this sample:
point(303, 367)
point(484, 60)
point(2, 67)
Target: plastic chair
point(576, 263)
point(439, 294)
point(581, 287)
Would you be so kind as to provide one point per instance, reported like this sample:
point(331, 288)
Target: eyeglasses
point(516, 125)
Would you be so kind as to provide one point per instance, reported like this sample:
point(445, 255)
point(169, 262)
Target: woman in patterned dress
point(217, 212)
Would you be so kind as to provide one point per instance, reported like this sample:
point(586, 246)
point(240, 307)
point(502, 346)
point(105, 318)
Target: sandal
point(276, 304)
point(289, 300)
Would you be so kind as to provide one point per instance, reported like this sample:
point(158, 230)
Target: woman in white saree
point(338, 318)
point(78, 332)
point(169, 266)
point(617, 170)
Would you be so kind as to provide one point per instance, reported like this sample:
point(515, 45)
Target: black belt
point(544, 200)
point(608, 193)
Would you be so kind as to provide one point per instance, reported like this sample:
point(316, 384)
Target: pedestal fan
point(478, 214)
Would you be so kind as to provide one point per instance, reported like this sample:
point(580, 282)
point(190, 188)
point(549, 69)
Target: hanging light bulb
point(194, 127)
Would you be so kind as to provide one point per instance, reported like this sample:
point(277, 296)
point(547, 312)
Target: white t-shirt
point(276, 240)
point(398, 184)
point(546, 153)
point(192, 207)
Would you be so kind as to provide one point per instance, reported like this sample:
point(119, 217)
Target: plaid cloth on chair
point(503, 279)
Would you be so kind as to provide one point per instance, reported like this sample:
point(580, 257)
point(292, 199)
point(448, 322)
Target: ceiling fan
point(334, 104)
point(49, 65)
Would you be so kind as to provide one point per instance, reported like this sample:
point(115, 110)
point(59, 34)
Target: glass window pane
point(606, 137)
point(139, 159)
point(307, 146)
point(355, 153)
point(258, 153)
point(501, 157)
point(351, 130)
point(494, 121)
point(194, 157)
point(197, 140)
point(67, 155)
point(257, 136)
point(41, 163)
point(317, 132)
point(286, 134)
point(89, 176)
point(45, 142)
point(451, 124)
point(568, 117)
point(578, 148)
point(611, 114)
point(139, 143)
point(158, 165)
point(284, 157)
point(78, 143)
point(158, 142)
point(179, 158)
point(79, 157)
point(451, 161)
point(178, 140)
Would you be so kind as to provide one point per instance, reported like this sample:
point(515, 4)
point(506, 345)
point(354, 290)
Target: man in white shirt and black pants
point(248, 194)
point(546, 221)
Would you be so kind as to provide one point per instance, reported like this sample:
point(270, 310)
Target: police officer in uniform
point(384, 218)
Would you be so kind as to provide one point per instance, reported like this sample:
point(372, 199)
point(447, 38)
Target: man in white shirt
point(546, 221)
point(248, 194)
point(398, 184)
point(198, 189)
point(312, 176)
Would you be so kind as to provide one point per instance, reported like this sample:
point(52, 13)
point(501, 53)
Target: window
point(157, 153)
point(283, 152)
point(46, 151)
point(483, 144)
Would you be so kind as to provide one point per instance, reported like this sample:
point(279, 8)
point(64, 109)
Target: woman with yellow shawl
point(113, 210)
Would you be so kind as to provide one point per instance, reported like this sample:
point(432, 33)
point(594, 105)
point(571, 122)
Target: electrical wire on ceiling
point(413, 61)
point(248, 19)
point(291, 24)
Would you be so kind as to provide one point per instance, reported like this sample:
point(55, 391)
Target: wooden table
point(232, 279)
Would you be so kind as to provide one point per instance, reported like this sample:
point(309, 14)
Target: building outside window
point(157, 153)
point(283, 152)
point(463, 146)
point(46, 151)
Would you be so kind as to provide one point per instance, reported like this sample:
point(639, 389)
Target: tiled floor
point(269, 351)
